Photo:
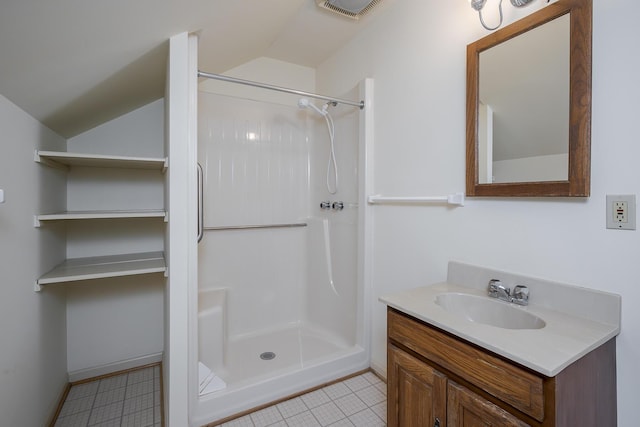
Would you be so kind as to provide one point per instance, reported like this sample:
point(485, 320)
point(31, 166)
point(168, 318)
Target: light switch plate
point(621, 211)
point(1, 196)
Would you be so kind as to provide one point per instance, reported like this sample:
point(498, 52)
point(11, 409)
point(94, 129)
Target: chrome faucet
point(520, 295)
point(497, 290)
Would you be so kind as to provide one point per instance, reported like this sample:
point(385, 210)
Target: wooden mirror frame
point(578, 183)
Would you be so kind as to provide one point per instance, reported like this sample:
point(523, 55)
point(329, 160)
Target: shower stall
point(281, 276)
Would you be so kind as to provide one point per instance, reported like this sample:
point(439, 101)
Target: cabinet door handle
point(437, 422)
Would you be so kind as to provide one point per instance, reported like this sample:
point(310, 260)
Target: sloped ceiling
point(74, 64)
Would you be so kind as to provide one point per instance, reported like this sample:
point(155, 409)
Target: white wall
point(33, 370)
point(138, 133)
point(112, 321)
point(180, 344)
point(416, 54)
point(553, 167)
point(265, 70)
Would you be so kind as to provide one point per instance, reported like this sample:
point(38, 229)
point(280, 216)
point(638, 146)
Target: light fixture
point(479, 4)
point(350, 8)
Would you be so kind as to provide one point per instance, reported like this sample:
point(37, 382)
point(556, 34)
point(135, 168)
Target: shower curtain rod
point(280, 89)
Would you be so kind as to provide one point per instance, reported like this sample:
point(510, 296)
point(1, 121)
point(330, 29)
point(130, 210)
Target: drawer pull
point(437, 423)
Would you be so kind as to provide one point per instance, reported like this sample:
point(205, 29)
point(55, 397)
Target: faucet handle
point(520, 295)
point(494, 284)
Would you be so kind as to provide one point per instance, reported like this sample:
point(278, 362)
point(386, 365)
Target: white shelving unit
point(71, 215)
point(64, 160)
point(101, 266)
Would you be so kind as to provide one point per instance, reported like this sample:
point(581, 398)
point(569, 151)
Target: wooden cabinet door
point(467, 409)
point(416, 394)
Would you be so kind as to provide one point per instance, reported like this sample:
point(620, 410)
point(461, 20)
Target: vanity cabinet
point(437, 379)
point(423, 396)
point(418, 393)
point(465, 408)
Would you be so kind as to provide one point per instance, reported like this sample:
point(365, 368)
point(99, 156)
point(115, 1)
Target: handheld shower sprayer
point(332, 163)
point(305, 103)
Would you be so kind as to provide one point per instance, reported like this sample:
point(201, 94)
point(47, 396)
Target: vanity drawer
point(511, 384)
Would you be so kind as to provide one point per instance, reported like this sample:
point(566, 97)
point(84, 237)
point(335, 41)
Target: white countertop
point(565, 338)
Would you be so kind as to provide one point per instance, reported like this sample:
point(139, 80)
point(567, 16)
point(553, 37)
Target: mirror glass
point(529, 105)
point(523, 112)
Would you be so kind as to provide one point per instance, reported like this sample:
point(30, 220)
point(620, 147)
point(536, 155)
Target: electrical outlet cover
point(621, 211)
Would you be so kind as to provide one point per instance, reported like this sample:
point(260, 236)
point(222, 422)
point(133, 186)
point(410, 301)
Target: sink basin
point(488, 311)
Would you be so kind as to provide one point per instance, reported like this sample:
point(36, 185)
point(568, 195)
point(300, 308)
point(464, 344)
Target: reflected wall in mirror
point(523, 122)
point(529, 105)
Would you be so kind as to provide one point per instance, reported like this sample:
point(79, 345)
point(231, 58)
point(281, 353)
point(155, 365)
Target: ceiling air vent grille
point(350, 8)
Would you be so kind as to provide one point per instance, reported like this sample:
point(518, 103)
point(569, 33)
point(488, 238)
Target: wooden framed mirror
point(518, 143)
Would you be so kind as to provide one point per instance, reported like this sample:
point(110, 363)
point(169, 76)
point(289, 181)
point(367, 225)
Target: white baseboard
point(83, 374)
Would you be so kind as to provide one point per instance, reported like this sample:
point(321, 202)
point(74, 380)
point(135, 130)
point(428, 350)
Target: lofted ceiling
point(74, 64)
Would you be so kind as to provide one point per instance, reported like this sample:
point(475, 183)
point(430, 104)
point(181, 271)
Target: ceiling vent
point(351, 8)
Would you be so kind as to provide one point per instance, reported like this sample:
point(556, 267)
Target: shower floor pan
point(302, 358)
point(257, 356)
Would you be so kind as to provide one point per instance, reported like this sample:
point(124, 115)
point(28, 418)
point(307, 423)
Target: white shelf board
point(72, 215)
point(65, 159)
point(104, 266)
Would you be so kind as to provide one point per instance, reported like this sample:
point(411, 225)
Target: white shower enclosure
point(281, 282)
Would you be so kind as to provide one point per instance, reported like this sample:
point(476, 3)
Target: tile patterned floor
point(130, 399)
point(133, 400)
point(360, 401)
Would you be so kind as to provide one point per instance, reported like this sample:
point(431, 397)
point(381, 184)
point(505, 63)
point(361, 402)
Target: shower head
point(305, 103)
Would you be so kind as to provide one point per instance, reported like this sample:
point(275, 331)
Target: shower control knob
point(338, 206)
point(325, 205)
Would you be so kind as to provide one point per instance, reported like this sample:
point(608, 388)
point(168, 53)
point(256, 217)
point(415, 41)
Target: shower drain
point(268, 355)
